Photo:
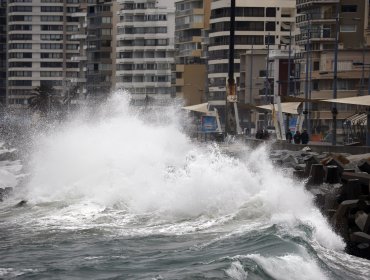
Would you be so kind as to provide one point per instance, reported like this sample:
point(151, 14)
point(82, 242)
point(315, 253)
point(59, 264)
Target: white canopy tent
point(356, 100)
point(286, 107)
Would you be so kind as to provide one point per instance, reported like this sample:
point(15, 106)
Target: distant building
point(318, 20)
point(145, 49)
point(3, 53)
point(192, 19)
point(258, 24)
point(101, 48)
point(42, 49)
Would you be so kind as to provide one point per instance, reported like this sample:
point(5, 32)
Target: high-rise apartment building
point(317, 37)
point(42, 49)
point(3, 53)
point(101, 47)
point(192, 19)
point(258, 24)
point(145, 48)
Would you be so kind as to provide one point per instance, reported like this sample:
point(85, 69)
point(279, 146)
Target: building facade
point(192, 18)
point(101, 43)
point(145, 49)
point(42, 47)
point(315, 59)
point(3, 54)
point(257, 23)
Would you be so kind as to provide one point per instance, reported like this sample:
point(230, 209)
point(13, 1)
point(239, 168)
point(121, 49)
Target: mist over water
point(130, 195)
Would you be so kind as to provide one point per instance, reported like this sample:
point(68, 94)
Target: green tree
point(44, 100)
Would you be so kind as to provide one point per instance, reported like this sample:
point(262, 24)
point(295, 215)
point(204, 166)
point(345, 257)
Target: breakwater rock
point(10, 168)
point(340, 184)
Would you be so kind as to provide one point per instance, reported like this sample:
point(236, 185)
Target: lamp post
point(334, 110)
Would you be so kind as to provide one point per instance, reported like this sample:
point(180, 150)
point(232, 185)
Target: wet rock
point(360, 237)
point(316, 175)
point(332, 174)
point(362, 220)
point(309, 161)
point(352, 189)
point(340, 218)
point(21, 203)
point(299, 174)
point(364, 166)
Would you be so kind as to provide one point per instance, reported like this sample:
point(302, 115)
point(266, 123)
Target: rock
point(21, 203)
point(309, 161)
point(362, 220)
point(340, 218)
point(364, 205)
point(364, 166)
point(316, 175)
point(352, 189)
point(332, 174)
point(299, 174)
point(360, 237)
point(307, 149)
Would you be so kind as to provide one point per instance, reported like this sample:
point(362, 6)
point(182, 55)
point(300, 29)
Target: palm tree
point(43, 100)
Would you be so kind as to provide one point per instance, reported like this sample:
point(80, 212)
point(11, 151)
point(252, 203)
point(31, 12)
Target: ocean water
point(119, 195)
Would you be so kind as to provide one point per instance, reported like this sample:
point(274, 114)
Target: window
point(20, 46)
point(51, 37)
point(51, 18)
point(52, 27)
point(72, 47)
point(20, 18)
point(20, 55)
point(51, 64)
point(106, 20)
point(13, 9)
point(51, 74)
point(20, 83)
point(51, 46)
point(349, 8)
point(20, 27)
point(270, 26)
point(51, 9)
point(270, 12)
point(72, 64)
point(51, 55)
point(348, 28)
point(20, 74)
point(20, 37)
point(20, 64)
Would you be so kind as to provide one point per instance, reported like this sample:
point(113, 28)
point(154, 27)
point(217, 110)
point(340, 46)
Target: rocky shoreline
point(340, 184)
point(10, 168)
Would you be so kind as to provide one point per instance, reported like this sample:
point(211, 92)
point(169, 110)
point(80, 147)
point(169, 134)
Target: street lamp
point(334, 110)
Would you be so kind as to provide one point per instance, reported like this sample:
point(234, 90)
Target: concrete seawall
point(315, 147)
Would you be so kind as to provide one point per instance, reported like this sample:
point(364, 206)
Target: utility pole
point(232, 118)
point(308, 48)
point(229, 125)
point(290, 59)
point(267, 82)
point(335, 78)
point(251, 88)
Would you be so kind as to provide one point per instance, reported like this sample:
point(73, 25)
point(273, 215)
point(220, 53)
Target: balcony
point(78, 36)
point(79, 14)
point(308, 3)
point(78, 58)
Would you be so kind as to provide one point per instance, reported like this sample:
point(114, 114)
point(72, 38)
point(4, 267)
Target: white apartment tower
point(43, 46)
point(257, 23)
point(145, 48)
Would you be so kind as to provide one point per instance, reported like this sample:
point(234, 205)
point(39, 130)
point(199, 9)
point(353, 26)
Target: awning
point(202, 108)
point(286, 107)
point(356, 100)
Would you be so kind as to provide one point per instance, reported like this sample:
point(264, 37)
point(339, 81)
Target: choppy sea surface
point(121, 196)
